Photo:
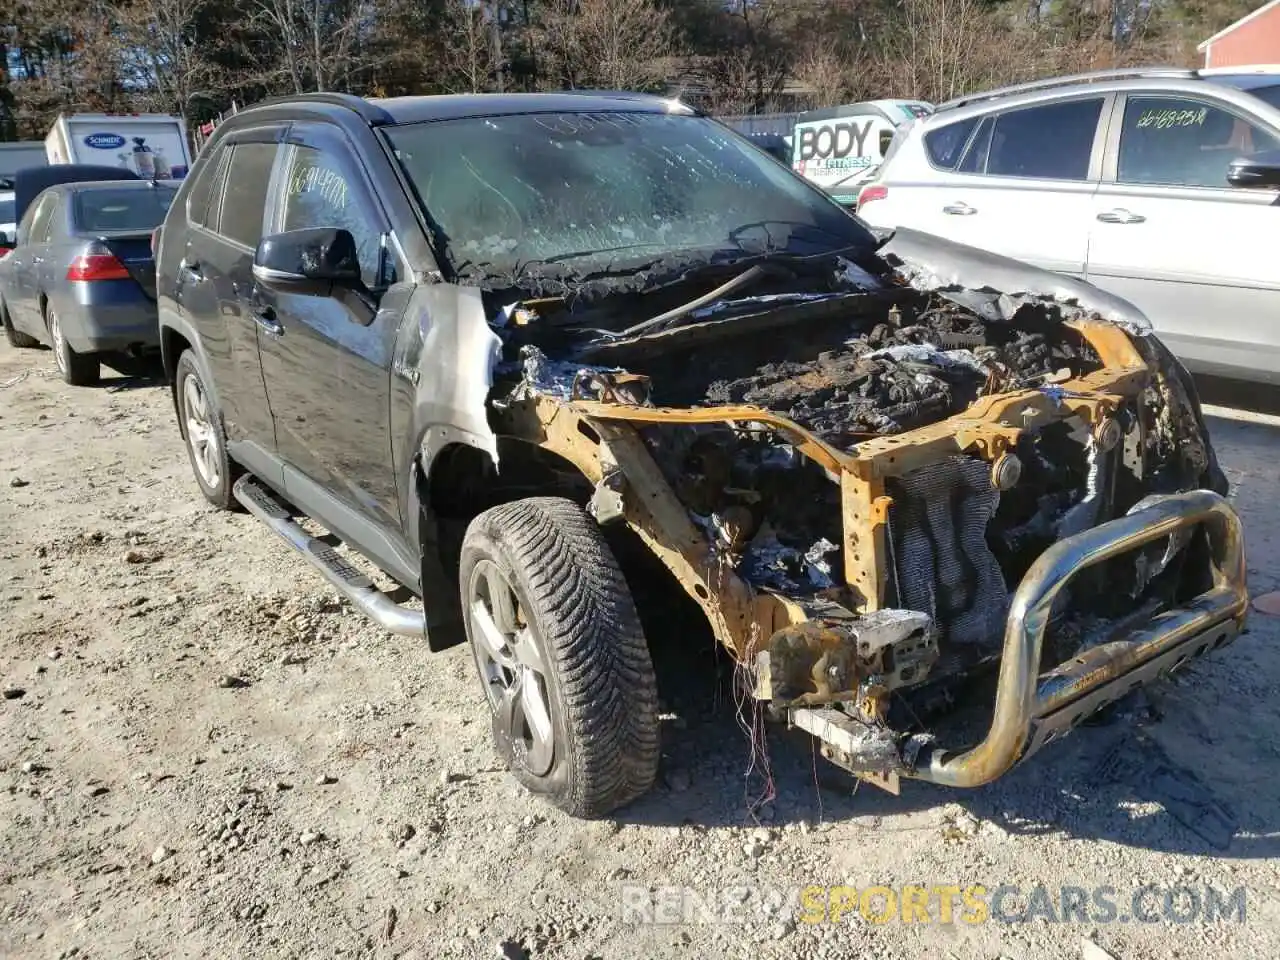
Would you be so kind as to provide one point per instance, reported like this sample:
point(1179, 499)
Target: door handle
point(1120, 215)
point(265, 318)
point(960, 209)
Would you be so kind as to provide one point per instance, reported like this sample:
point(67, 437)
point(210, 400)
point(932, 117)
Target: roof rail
point(1093, 76)
point(370, 113)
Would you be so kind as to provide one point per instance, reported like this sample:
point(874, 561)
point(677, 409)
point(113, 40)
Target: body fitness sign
point(836, 153)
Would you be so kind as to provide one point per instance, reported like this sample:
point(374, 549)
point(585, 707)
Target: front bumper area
point(1031, 710)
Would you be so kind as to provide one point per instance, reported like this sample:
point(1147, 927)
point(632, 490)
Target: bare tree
point(316, 42)
point(468, 49)
point(164, 57)
point(614, 44)
point(939, 49)
point(761, 53)
point(826, 73)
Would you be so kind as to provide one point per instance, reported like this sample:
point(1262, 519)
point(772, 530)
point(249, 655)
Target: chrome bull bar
point(1031, 710)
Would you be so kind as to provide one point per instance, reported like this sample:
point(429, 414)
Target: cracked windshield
point(594, 192)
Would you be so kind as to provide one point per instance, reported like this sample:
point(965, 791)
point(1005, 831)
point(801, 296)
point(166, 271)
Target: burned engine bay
point(940, 453)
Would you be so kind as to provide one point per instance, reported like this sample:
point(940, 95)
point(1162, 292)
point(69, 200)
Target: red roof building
point(1250, 40)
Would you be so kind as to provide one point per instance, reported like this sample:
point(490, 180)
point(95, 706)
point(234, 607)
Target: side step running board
point(353, 584)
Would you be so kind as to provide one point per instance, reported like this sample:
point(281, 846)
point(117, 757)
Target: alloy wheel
point(201, 435)
point(512, 666)
point(59, 343)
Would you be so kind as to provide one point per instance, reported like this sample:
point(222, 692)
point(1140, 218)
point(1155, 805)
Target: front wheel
point(77, 369)
point(561, 654)
point(202, 429)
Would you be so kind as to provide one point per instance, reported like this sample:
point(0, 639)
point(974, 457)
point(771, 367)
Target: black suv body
point(470, 335)
point(302, 382)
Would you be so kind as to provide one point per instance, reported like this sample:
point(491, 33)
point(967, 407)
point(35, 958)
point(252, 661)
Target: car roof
point(30, 182)
point(1166, 79)
point(84, 186)
point(391, 111)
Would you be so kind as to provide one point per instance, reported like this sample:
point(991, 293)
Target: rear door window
point(244, 201)
point(109, 210)
point(1182, 142)
point(1049, 142)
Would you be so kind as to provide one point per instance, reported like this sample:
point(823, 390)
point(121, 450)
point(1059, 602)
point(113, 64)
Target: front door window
point(1181, 142)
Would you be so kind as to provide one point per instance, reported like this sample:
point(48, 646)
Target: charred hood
point(847, 344)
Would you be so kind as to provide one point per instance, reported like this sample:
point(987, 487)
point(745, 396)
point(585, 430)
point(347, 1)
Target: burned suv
point(469, 335)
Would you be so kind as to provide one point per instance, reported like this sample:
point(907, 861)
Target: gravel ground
point(203, 752)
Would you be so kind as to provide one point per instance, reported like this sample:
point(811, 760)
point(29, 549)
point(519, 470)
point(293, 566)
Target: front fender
point(442, 370)
point(995, 286)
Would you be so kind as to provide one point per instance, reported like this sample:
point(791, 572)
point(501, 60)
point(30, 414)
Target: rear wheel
point(78, 369)
point(202, 428)
point(15, 337)
point(561, 654)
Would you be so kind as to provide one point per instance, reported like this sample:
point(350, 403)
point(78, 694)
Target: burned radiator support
point(943, 565)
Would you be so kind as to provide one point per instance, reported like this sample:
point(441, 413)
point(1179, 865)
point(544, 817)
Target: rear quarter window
point(208, 184)
point(945, 144)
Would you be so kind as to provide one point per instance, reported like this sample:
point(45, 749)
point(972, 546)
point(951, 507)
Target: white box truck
point(20, 155)
point(152, 145)
point(840, 148)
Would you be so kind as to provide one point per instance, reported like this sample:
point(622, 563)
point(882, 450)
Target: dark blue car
point(81, 277)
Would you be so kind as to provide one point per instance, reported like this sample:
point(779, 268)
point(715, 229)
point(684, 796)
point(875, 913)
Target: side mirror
point(1261, 171)
point(314, 261)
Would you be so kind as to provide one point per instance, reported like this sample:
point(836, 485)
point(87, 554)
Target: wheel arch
point(456, 483)
point(579, 451)
point(176, 336)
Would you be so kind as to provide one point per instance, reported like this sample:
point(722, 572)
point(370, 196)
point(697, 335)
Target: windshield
point(591, 191)
point(1270, 94)
point(8, 210)
point(110, 209)
point(1262, 86)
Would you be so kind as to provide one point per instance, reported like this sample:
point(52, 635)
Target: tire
point(201, 424)
point(77, 369)
point(15, 337)
point(569, 632)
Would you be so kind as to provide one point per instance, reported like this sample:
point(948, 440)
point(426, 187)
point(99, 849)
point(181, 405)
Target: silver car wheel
point(512, 667)
point(59, 342)
point(202, 438)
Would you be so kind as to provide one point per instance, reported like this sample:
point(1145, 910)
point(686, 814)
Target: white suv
point(1159, 185)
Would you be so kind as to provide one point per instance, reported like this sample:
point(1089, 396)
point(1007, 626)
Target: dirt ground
point(204, 753)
